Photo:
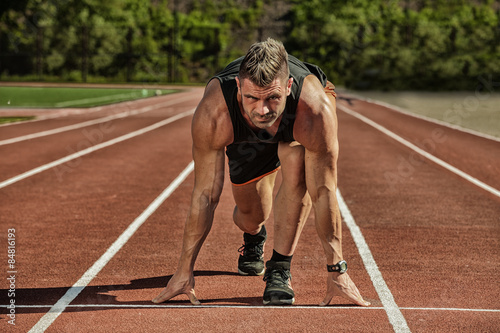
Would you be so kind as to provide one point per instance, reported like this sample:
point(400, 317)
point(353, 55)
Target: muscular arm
point(211, 132)
point(209, 179)
point(317, 132)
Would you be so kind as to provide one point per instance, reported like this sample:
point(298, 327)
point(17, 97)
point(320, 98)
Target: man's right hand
point(176, 286)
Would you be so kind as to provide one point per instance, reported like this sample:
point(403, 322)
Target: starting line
point(203, 306)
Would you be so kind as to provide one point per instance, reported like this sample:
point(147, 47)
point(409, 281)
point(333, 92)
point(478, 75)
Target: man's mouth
point(266, 118)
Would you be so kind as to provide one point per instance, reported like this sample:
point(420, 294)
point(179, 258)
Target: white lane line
point(94, 121)
point(392, 310)
point(422, 152)
point(89, 275)
point(301, 307)
point(89, 150)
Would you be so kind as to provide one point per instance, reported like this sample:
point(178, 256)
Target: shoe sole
point(277, 301)
point(240, 272)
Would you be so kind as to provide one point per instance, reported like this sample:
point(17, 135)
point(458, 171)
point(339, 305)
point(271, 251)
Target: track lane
point(93, 271)
point(70, 148)
point(24, 156)
point(418, 152)
point(474, 155)
point(133, 111)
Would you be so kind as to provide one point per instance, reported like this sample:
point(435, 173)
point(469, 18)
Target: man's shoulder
point(211, 122)
point(315, 113)
point(213, 94)
point(312, 98)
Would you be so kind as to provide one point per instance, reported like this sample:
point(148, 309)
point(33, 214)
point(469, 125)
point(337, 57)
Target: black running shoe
point(251, 260)
point(278, 284)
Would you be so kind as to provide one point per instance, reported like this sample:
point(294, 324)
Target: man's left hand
point(342, 285)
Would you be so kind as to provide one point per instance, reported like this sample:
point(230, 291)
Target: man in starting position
point(265, 111)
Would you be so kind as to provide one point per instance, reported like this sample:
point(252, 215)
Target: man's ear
point(238, 84)
point(289, 86)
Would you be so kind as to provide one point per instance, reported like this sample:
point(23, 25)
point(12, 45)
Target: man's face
point(264, 105)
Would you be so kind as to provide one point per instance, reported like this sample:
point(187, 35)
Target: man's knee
point(250, 213)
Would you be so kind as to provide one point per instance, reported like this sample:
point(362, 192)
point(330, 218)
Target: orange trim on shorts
point(258, 178)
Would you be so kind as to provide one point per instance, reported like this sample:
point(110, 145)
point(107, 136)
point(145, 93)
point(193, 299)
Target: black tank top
point(242, 131)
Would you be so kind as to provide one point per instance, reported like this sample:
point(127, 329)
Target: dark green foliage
point(399, 44)
point(372, 44)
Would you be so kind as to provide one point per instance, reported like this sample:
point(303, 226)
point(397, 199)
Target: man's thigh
point(252, 169)
point(255, 198)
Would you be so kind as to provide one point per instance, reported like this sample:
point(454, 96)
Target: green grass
point(4, 120)
point(70, 97)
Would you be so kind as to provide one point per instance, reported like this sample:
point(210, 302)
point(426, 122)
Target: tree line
point(362, 44)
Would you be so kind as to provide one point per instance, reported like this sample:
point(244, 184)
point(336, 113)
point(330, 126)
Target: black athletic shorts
point(249, 162)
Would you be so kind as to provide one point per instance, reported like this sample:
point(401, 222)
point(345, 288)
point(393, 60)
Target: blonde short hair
point(264, 62)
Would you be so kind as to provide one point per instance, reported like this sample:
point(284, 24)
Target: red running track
point(429, 258)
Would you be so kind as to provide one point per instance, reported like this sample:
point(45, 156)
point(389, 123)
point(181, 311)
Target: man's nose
point(263, 108)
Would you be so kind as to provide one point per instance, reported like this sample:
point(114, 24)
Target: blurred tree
point(382, 44)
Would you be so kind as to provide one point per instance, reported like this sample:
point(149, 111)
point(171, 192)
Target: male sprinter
point(265, 110)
